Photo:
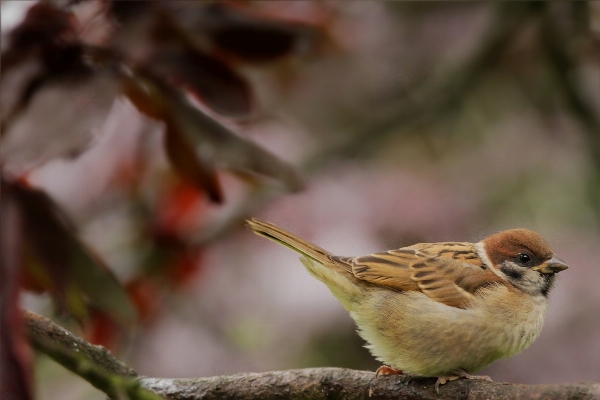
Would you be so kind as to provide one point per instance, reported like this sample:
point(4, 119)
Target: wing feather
point(449, 273)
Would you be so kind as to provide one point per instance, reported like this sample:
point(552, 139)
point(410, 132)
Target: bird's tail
point(333, 272)
point(290, 240)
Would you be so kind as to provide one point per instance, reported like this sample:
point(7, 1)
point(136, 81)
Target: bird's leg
point(383, 370)
point(442, 380)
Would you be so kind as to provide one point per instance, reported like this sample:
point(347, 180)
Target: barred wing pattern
point(449, 273)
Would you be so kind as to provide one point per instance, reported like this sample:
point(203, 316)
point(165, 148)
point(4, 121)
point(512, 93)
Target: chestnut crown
point(522, 246)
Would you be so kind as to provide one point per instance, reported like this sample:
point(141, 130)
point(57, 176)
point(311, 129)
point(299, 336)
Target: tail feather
point(289, 240)
point(333, 272)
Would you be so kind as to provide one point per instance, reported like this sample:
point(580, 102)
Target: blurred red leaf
point(219, 147)
point(127, 11)
point(196, 144)
point(212, 82)
point(197, 45)
point(55, 91)
point(177, 213)
point(145, 97)
point(249, 37)
point(62, 264)
point(15, 354)
point(177, 58)
point(45, 48)
point(178, 207)
point(59, 118)
point(254, 42)
point(101, 329)
point(177, 265)
point(42, 29)
point(151, 99)
point(183, 157)
point(146, 295)
point(168, 50)
point(185, 267)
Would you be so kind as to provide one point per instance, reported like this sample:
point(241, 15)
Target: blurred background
point(157, 128)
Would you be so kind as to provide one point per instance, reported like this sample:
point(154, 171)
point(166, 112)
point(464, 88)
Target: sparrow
point(443, 310)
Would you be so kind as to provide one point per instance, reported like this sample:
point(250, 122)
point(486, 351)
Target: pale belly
point(422, 337)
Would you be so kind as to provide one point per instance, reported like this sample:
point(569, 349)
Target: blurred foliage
point(64, 66)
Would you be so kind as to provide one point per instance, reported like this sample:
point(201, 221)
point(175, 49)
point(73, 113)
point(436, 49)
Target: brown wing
point(446, 272)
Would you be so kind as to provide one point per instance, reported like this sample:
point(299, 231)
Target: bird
point(443, 310)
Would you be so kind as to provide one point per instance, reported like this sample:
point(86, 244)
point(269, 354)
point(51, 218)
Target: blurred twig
point(564, 66)
point(432, 100)
point(93, 363)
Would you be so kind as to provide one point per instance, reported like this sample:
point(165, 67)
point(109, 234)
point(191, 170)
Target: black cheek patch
point(511, 273)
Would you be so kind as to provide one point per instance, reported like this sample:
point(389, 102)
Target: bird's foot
point(383, 370)
point(387, 370)
point(442, 380)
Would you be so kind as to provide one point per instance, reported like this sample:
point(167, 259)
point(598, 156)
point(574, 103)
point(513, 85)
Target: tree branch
point(44, 329)
point(99, 367)
point(95, 364)
point(339, 383)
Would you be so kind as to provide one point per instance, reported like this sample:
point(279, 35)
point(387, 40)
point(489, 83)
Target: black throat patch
point(547, 284)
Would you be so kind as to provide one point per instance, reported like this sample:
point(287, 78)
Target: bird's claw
point(387, 370)
point(383, 370)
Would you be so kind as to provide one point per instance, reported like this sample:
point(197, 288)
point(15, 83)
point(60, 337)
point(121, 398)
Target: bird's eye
point(524, 258)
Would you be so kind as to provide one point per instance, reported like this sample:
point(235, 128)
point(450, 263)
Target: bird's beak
point(551, 266)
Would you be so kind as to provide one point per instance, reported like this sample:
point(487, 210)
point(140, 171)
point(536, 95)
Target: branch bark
point(339, 383)
point(95, 364)
point(98, 366)
point(42, 329)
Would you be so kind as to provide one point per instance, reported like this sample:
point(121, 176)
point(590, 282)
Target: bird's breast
point(420, 336)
